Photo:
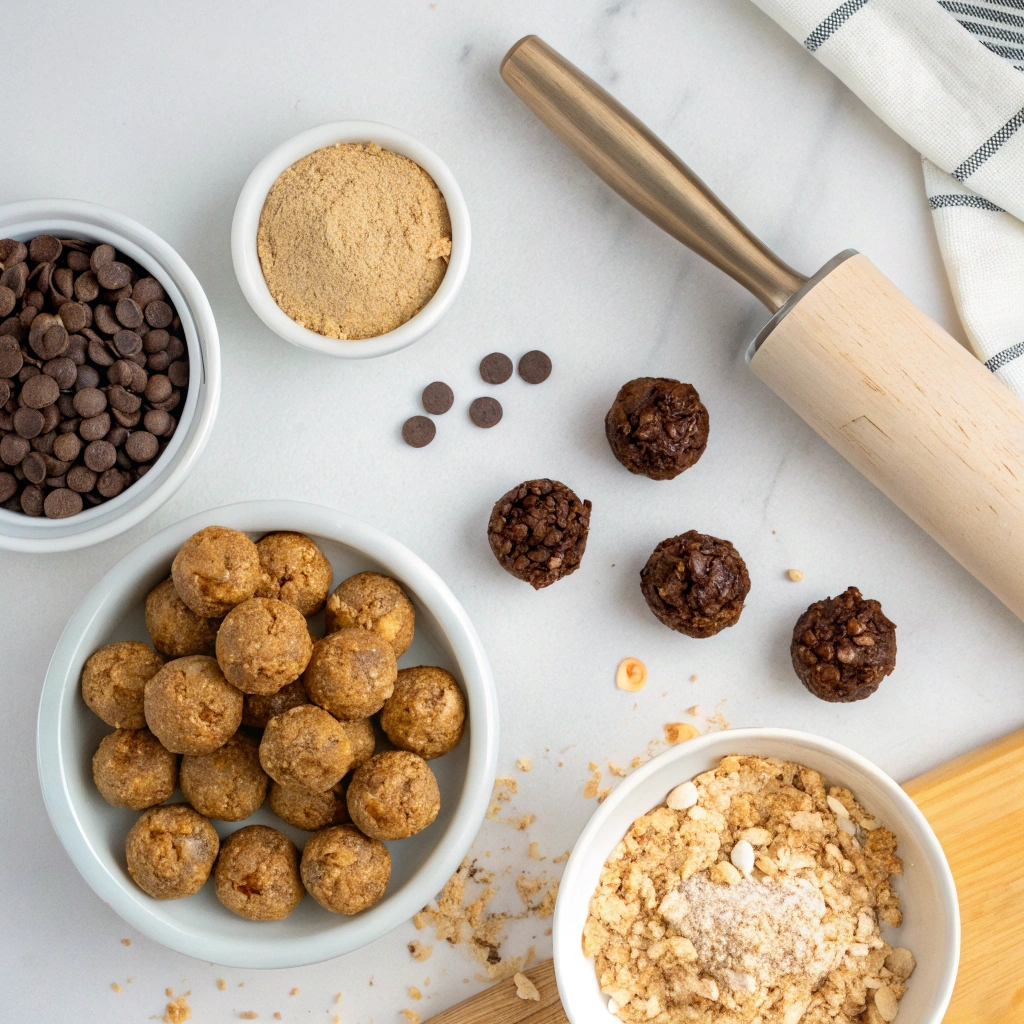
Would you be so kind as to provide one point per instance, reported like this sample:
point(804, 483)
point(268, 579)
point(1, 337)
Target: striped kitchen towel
point(947, 76)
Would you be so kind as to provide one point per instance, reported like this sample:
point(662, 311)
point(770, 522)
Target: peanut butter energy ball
point(344, 871)
point(190, 707)
point(227, 784)
point(293, 569)
point(306, 747)
point(426, 713)
point(262, 645)
point(175, 629)
point(216, 569)
point(257, 874)
point(373, 602)
point(363, 740)
point(114, 681)
point(260, 708)
point(308, 810)
point(131, 769)
point(393, 796)
point(170, 851)
point(351, 673)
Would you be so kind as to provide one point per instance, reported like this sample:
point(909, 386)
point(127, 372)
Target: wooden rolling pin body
point(915, 412)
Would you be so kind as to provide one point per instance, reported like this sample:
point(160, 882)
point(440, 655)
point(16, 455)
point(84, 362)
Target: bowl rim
point(245, 224)
point(60, 690)
point(566, 942)
point(198, 415)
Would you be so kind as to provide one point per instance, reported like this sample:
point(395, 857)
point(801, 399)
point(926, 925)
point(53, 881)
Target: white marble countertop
point(162, 110)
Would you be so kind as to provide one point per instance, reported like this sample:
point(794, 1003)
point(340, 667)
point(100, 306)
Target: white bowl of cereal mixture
point(351, 239)
point(756, 875)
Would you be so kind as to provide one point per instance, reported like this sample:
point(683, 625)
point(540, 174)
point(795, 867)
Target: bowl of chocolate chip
point(109, 373)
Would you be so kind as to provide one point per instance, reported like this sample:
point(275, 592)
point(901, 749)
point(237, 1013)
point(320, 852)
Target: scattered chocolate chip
point(12, 251)
point(178, 371)
point(146, 289)
point(32, 501)
point(8, 486)
point(61, 503)
point(496, 368)
point(158, 313)
point(34, 467)
point(155, 341)
point(87, 288)
point(90, 402)
point(81, 479)
point(141, 446)
point(114, 275)
point(88, 377)
point(485, 412)
point(63, 371)
point(101, 256)
point(67, 447)
point(111, 483)
point(44, 249)
point(418, 431)
point(535, 367)
point(437, 398)
point(94, 428)
point(8, 300)
point(11, 359)
point(39, 391)
point(28, 422)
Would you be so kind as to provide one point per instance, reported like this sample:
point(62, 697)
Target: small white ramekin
point(931, 918)
point(246, 221)
point(69, 218)
point(93, 832)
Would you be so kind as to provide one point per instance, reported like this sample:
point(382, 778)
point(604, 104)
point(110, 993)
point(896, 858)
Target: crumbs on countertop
point(525, 988)
point(417, 950)
point(177, 1011)
point(525, 764)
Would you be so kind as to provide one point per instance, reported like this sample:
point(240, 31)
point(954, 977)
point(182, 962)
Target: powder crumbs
point(412, 1016)
point(178, 1011)
point(695, 710)
point(248, 1015)
point(590, 789)
point(617, 770)
point(277, 1015)
point(525, 988)
point(415, 993)
point(561, 858)
point(294, 991)
point(117, 988)
point(534, 852)
point(221, 984)
point(126, 942)
point(525, 764)
point(417, 951)
point(680, 732)
point(337, 997)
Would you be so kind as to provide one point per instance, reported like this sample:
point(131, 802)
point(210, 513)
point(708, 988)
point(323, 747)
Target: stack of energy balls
point(275, 713)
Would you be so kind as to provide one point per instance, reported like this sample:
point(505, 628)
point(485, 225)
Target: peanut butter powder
point(353, 240)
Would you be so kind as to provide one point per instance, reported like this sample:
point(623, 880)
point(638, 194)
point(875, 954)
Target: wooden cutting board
point(976, 806)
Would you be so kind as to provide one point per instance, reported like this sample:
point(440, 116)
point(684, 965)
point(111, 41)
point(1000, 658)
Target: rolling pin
point(884, 384)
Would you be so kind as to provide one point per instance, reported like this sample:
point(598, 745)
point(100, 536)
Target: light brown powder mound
point(353, 240)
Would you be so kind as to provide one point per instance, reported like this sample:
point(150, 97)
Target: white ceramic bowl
point(931, 920)
point(247, 218)
point(93, 833)
point(69, 218)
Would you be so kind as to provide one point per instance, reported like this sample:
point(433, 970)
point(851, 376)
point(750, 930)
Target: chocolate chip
point(418, 431)
point(437, 398)
point(98, 353)
point(81, 479)
point(39, 391)
point(111, 483)
point(63, 371)
point(104, 319)
point(77, 261)
point(158, 422)
point(15, 278)
point(44, 442)
point(53, 343)
point(87, 288)
point(485, 412)
point(127, 343)
point(32, 501)
point(62, 286)
point(114, 275)
point(141, 446)
point(496, 369)
point(8, 300)
point(127, 419)
point(159, 313)
point(90, 402)
point(61, 503)
point(34, 466)
point(75, 316)
point(44, 249)
point(175, 347)
point(5, 393)
point(100, 455)
point(159, 388)
point(13, 448)
point(28, 422)
point(129, 313)
point(67, 447)
point(117, 436)
point(120, 373)
point(8, 486)
point(146, 289)
point(101, 256)
point(155, 341)
point(93, 428)
point(12, 251)
point(535, 367)
point(88, 377)
point(77, 346)
point(11, 359)
point(177, 372)
point(122, 400)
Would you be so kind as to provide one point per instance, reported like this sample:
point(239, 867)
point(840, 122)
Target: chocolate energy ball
point(170, 851)
point(363, 739)
point(216, 569)
point(843, 647)
point(393, 796)
point(345, 871)
point(376, 603)
point(257, 874)
point(259, 708)
point(227, 784)
point(263, 644)
point(294, 569)
point(190, 707)
point(538, 531)
point(426, 713)
point(306, 747)
point(114, 682)
point(174, 628)
point(308, 810)
point(695, 584)
point(351, 673)
point(657, 427)
point(131, 769)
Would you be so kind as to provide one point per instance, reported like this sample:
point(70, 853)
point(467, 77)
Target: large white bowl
point(71, 218)
point(931, 919)
point(246, 222)
point(93, 833)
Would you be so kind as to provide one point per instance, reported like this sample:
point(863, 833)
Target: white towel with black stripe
point(947, 76)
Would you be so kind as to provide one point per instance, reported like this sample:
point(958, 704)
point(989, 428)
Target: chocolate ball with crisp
point(695, 584)
point(293, 569)
point(263, 644)
point(190, 707)
point(375, 603)
point(257, 874)
point(306, 747)
point(114, 682)
point(308, 810)
point(657, 427)
point(393, 796)
point(170, 851)
point(426, 713)
point(174, 628)
point(843, 647)
point(131, 769)
point(228, 784)
point(345, 871)
point(216, 569)
point(260, 708)
point(351, 673)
